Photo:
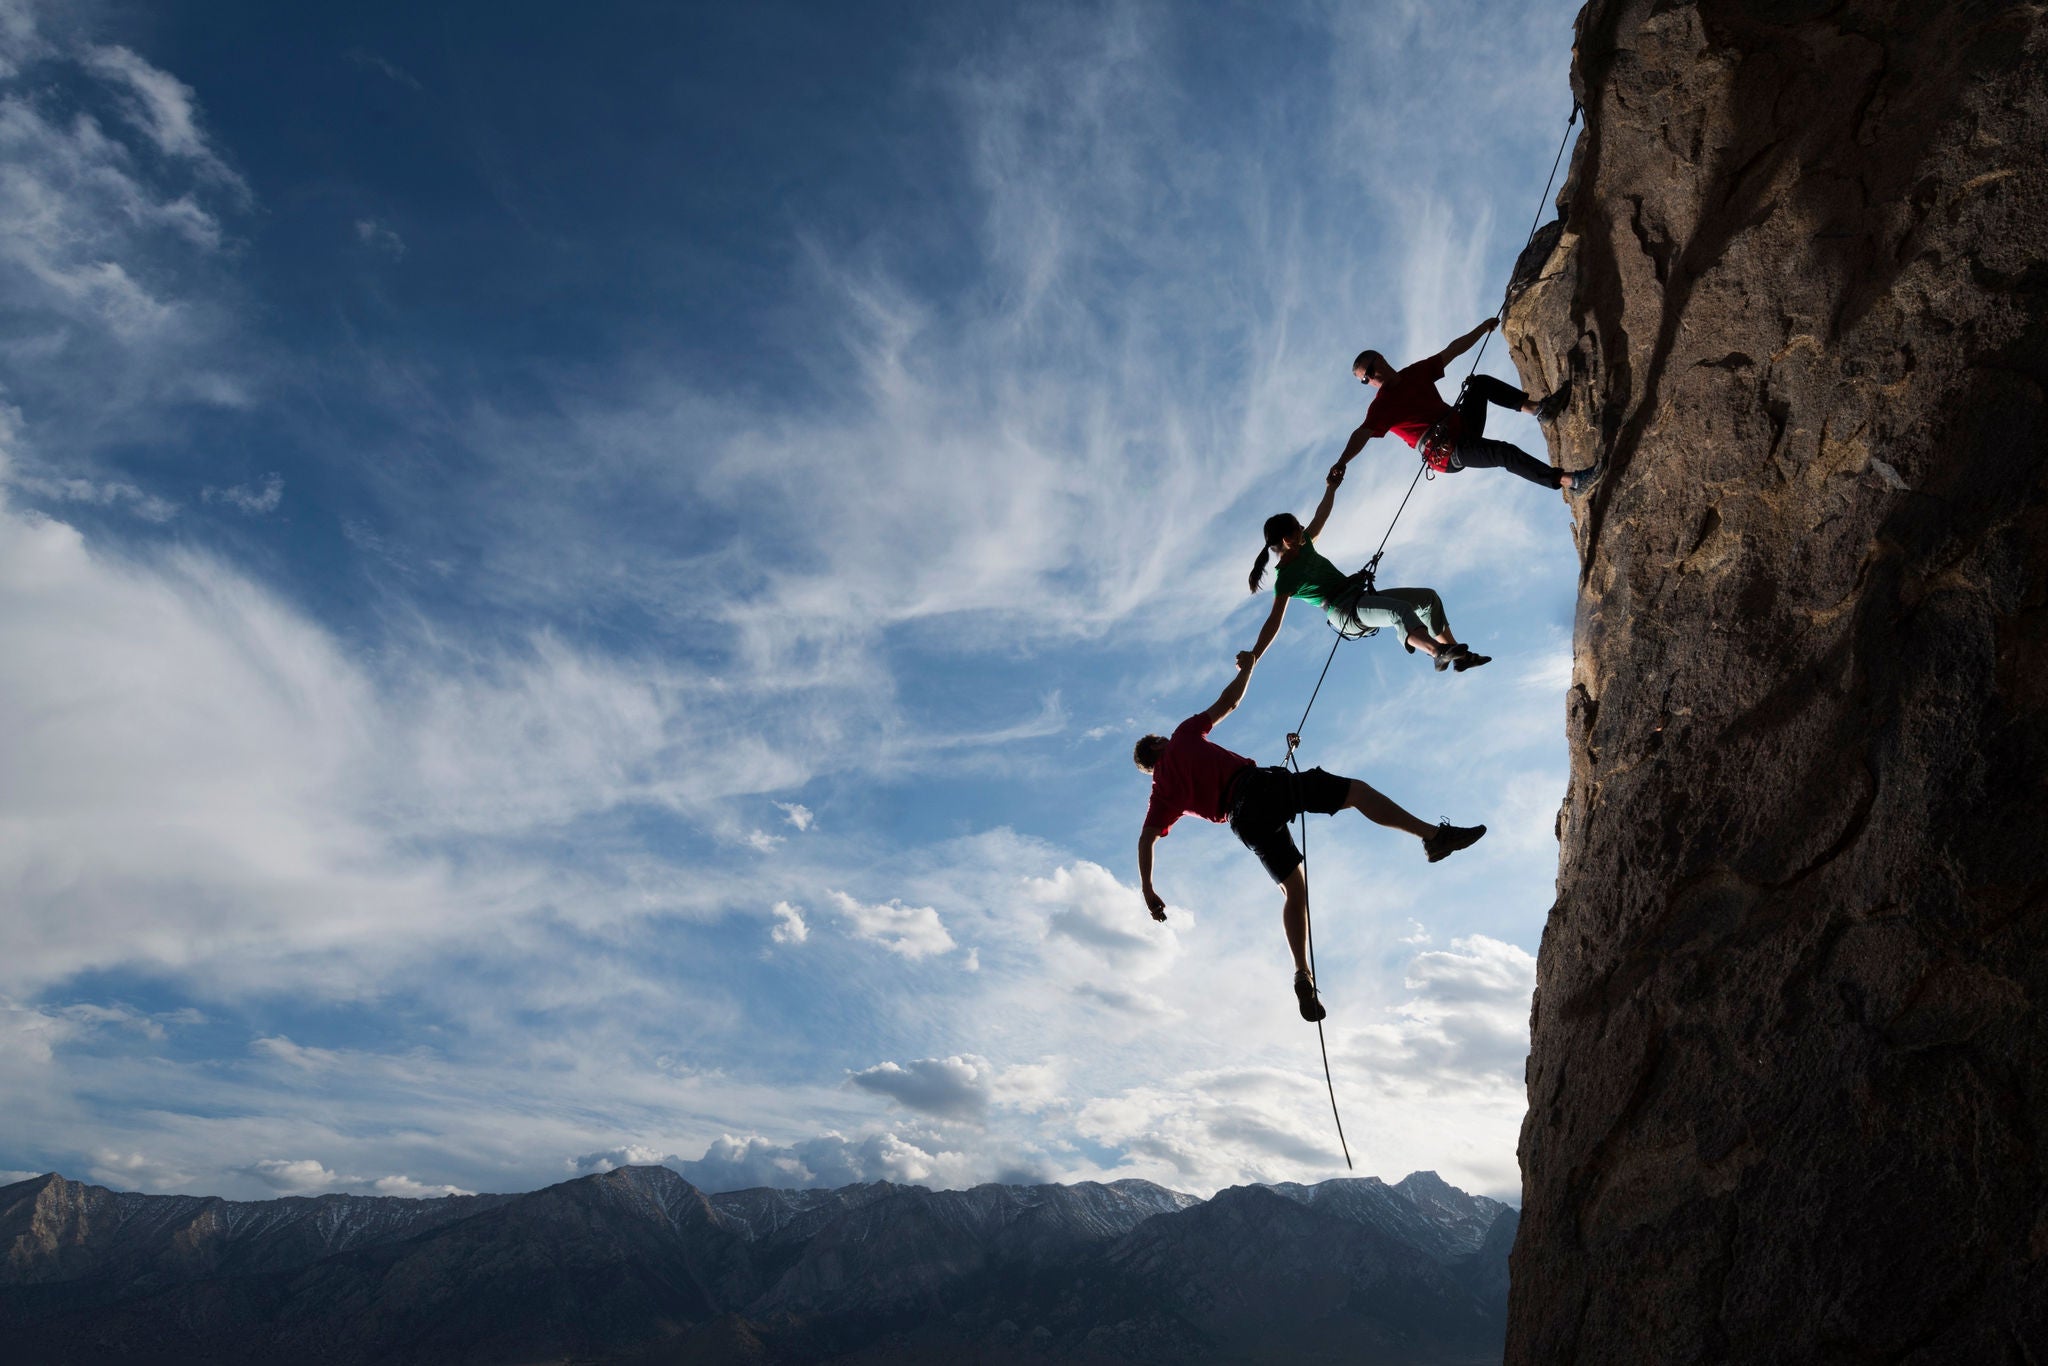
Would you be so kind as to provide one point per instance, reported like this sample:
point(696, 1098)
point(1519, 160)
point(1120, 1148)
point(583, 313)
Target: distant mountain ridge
point(639, 1266)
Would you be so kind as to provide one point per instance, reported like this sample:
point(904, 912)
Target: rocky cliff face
point(1789, 1081)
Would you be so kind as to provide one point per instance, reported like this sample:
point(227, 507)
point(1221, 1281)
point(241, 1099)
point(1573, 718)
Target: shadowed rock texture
point(1789, 1077)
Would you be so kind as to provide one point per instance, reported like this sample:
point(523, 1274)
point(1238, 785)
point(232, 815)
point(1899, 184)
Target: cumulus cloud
point(796, 814)
point(305, 1176)
point(611, 1159)
point(829, 1160)
point(789, 924)
point(1099, 938)
point(948, 1088)
point(824, 1162)
point(913, 931)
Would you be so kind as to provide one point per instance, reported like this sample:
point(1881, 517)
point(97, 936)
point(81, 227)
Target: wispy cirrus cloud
point(649, 662)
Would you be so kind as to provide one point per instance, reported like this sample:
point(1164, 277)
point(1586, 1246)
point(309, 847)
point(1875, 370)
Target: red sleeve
point(1375, 426)
point(1432, 369)
point(1199, 724)
point(1162, 813)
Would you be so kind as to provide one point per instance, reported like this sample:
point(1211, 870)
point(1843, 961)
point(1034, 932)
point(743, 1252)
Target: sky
point(579, 591)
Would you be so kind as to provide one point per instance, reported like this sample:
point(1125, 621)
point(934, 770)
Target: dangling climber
point(1350, 603)
point(1449, 438)
point(1193, 775)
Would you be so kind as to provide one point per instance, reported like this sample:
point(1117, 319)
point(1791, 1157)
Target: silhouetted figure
point(1450, 439)
point(1192, 775)
point(1349, 602)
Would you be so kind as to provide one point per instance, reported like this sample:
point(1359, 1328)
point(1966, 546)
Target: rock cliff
point(1788, 1086)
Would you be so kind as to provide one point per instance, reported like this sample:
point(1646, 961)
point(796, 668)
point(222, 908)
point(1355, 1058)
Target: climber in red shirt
point(1454, 438)
point(1192, 775)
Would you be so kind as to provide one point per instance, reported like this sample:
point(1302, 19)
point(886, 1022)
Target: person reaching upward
point(1350, 603)
point(1193, 775)
point(1450, 439)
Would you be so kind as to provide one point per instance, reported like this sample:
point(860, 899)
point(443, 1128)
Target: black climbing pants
point(1477, 452)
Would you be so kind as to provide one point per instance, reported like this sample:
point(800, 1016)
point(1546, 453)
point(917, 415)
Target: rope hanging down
point(1372, 565)
point(1308, 933)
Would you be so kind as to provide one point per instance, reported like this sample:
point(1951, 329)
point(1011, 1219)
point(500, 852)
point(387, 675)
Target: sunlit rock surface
point(1789, 1083)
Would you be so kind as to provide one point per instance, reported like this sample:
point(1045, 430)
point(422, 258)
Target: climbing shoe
point(1305, 994)
point(1585, 478)
point(1467, 660)
point(1447, 840)
point(1441, 660)
point(1552, 406)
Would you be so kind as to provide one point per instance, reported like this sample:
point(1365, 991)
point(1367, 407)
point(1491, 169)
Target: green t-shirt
point(1307, 575)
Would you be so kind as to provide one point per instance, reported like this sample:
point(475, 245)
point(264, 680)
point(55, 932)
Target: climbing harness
point(1439, 445)
point(1438, 450)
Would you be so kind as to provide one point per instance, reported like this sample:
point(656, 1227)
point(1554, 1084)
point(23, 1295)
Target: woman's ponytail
point(1278, 528)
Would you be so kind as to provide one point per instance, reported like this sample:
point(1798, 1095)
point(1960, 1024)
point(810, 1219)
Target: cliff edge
point(1788, 1085)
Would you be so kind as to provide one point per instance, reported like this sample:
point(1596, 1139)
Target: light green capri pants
point(1412, 611)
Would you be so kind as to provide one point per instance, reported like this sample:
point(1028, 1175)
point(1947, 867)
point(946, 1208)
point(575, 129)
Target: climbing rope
point(1555, 162)
point(1371, 566)
point(1308, 933)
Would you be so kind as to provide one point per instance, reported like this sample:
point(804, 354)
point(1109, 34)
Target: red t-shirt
point(1408, 404)
point(1191, 776)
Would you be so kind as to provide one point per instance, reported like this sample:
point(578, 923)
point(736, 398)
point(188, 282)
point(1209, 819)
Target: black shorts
point(1264, 800)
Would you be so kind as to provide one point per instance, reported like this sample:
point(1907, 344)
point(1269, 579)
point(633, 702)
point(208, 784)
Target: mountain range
point(636, 1266)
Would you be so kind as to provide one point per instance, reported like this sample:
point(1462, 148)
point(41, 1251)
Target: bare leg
point(1294, 917)
point(1382, 811)
point(1419, 641)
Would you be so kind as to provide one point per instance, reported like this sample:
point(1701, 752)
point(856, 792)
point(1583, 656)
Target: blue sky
point(579, 591)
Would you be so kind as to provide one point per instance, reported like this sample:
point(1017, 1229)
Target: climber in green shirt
point(1349, 603)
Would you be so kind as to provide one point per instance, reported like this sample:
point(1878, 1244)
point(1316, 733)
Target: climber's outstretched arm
point(1464, 343)
point(1330, 482)
point(1153, 901)
point(1270, 629)
point(1233, 691)
point(1354, 445)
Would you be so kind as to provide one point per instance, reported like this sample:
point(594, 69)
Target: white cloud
point(302, 1176)
point(162, 106)
point(1100, 939)
point(257, 500)
point(829, 1160)
point(299, 813)
point(913, 931)
point(761, 841)
point(629, 1155)
point(947, 1088)
point(789, 924)
point(305, 1176)
point(97, 493)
